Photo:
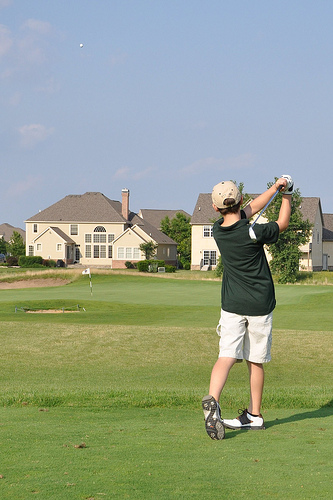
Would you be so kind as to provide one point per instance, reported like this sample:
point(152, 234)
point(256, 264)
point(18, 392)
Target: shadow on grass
point(322, 412)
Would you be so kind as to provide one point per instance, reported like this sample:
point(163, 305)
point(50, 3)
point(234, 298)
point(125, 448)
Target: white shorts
point(245, 337)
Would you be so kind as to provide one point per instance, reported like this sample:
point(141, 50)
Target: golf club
point(252, 234)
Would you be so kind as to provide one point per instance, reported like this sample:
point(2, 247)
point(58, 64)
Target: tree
point(286, 251)
point(3, 246)
point(16, 246)
point(179, 229)
point(149, 249)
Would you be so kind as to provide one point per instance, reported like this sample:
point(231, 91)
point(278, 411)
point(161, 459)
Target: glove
point(289, 189)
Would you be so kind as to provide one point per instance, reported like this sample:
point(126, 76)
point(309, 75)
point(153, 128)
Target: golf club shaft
point(269, 201)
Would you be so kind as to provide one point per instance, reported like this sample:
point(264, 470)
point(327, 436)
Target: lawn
point(105, 402)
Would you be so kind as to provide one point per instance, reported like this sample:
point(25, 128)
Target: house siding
point(200, 244)
point(49, 248)
point(313, 253)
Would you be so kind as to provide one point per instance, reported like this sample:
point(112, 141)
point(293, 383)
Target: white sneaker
point(213, 421)
point(245, 421)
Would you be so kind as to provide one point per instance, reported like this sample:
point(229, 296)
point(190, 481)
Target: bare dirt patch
point(33, 283)
point(49, 311)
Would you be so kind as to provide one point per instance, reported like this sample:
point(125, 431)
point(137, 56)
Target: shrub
point(160, 263)
point(153, 267)
point(129, 265)
point(143, 266)
point(219, 268)
point(170, 269)
point(49, 263)
point(12, 261)
point(30, 260)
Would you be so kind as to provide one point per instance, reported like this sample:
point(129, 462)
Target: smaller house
point(126, 246)
point(6, 231)
point(204, 252)
point(328, 242)
point(155, 216)
point(317, 254)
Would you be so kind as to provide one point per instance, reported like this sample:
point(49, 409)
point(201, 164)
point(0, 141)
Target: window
point(99, 236)
point(102, 251)
point(209, 258)
point(136, 253)
point(39, 247)
point(129, 253)
point(208, 231)
point(35, 229)
point(74, 229)
point(110, 238)
point(59, 247)
point(31, 250)
point(88, 251)
point(87, 238)
point(110, 251)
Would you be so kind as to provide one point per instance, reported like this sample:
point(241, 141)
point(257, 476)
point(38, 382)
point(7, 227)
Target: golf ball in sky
point(81, 45)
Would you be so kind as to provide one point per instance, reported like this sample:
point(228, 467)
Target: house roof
point(63, 235)
point(59, 232)
point(88, 207)
point(154, 217)
point(152, 231)
point(328, 221)
point(309, 207)
point(6, 231)
point(204, 212)
point(328, 227)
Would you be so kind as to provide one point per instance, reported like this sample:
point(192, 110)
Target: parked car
point(2, 257)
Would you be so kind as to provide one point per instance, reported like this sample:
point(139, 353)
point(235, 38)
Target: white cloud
point(6, 40)
point(127, 173)
point(31, 51)
point(5, 3)
point(32, 134)
point(122, 173)
point(25, 49)
point(40, 27)
point(211, 164)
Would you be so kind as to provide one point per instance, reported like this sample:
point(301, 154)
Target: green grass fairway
point(161, 454)
point(106, 402)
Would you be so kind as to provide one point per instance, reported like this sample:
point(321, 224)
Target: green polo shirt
point(247, 285)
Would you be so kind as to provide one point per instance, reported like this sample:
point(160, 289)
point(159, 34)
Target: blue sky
point(166, 98)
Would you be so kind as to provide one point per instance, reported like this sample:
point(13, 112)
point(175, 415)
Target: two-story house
point(317, 254)
point(94, 230)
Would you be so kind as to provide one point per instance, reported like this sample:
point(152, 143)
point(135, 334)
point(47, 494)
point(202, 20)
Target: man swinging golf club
point(248, 297)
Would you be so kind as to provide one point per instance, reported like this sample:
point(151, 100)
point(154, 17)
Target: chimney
point(125, 203)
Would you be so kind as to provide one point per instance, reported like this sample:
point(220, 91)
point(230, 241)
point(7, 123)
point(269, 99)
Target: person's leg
point(219, 376)
point(231, 330)
point(256, 374)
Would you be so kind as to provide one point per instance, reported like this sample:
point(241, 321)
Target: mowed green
point(105, 402)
